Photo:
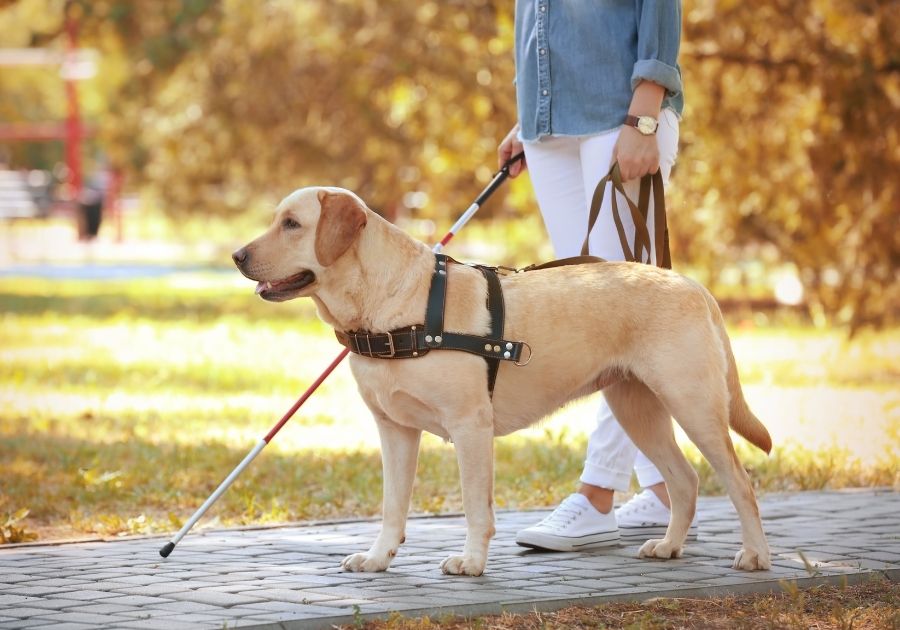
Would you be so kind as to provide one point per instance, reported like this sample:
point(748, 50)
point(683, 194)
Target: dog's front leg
point(475, 454)
point(399, 452)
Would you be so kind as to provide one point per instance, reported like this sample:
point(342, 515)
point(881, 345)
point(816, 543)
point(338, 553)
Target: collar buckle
point(392, 351)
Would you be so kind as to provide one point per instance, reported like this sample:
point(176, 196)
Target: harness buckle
point(391, 349)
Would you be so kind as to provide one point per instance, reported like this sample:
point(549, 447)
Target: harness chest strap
point(418, 340)
point(411, 342)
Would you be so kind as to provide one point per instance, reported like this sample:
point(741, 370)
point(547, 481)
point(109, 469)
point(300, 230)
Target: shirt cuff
point(658, 72)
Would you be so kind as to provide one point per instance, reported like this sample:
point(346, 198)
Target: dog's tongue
point(262, 286)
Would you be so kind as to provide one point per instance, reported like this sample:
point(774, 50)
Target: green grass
point(124, 404)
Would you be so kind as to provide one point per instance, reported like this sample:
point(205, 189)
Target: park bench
point(24, 195)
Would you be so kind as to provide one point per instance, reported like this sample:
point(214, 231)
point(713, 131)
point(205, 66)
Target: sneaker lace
point(640, 503)
point(564, 514)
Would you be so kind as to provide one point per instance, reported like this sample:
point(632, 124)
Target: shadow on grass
point(144, 301)
point(201, 376)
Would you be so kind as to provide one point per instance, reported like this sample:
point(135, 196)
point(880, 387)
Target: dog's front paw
point(660, 549)
point(750, 560)
point(462, 565)
point(366, 563)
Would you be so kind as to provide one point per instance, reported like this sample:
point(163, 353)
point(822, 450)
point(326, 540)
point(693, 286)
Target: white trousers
point(564, 172)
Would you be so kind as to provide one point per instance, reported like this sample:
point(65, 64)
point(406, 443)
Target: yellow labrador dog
point(652, 340)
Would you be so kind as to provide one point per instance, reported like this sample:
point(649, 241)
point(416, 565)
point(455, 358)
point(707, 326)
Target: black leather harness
point(418, 340)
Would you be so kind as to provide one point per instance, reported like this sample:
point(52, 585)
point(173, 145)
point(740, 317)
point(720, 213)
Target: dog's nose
point(240, 256)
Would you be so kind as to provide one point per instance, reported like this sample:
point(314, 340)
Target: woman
point(596, 82)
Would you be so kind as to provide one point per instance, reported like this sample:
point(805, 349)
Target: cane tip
point(167, 549)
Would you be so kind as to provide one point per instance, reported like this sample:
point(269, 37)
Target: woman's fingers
point(636, 154)
point(509, 147)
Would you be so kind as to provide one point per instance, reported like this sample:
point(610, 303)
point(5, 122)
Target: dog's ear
point(341, 219)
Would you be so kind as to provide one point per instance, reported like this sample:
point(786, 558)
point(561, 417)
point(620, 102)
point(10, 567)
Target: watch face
point(646, 125)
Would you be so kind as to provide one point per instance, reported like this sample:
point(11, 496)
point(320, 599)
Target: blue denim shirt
point(578, 62)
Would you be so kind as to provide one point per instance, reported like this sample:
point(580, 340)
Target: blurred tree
point(220, 105)
point(790, 148)
point(391, 100)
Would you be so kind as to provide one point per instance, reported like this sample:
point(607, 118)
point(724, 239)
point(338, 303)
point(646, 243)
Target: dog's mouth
point(282, 290)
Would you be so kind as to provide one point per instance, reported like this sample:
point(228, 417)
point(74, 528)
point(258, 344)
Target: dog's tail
point(740, 418)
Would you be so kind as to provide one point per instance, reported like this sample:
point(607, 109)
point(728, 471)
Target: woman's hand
point(509, 147)
point(636, 153)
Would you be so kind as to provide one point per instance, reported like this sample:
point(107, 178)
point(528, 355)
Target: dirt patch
point(872, 604)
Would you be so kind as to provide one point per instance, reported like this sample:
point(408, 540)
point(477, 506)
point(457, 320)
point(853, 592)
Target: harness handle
point(639, 215)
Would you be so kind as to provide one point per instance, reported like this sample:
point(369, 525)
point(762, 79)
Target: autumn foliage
point(790, 148)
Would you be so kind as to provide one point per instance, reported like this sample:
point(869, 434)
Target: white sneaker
point(645, 516)
point(574, 525)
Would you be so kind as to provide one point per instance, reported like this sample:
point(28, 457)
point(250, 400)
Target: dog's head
point(312, 229)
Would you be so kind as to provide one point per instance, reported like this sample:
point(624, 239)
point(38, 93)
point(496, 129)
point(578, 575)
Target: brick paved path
point(289, 577)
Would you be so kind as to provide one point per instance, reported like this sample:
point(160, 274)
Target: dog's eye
point(290, 224)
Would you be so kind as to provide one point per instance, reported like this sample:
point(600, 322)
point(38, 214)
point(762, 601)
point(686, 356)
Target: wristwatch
point(647, 125)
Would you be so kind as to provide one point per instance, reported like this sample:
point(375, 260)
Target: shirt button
point(543, 51)
point(545, 92)
point(543, 7)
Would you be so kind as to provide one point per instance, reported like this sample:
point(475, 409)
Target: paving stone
point(874, 564)
point(61, 582)
point(263, 577)
point(23, 612)
point(292, 607)
point(187, 606)
point(293, 596)
point(215, 598)
point(152, 589)
point(102, 609)
point(559, 589)
point(136, 600)
point(161, 624)
point(213, 619)
point(33, 622)
point(56, 603)
point(39, 590)
point(80, 617)
point(143, 580)
point(6, 600)
point(88, 594)
point(884, 556)
point(156, 611)
point(238, 587)
point(728, 580)
point(231, 615)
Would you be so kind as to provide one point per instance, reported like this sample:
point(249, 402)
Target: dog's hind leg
point(719, 451)
point(702, 411)
point(649, 425)
point(399, 453)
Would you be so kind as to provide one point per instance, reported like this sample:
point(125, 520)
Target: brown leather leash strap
point(562, 262)
point(639, 215)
